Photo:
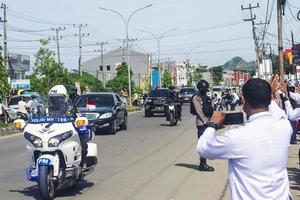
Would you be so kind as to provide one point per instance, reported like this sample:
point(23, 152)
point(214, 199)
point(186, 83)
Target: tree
point(4, 85)
point(217, 74)
point(121, 80)
point(47, 72)
point(197, 75)
point(86, 79)
point(166, 79)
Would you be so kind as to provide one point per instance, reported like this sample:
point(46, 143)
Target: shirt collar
point(258, 115)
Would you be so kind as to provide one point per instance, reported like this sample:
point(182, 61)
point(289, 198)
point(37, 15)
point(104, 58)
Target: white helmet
point(58, 90)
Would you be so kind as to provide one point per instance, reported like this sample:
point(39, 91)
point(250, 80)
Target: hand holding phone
point(218, 118)
point(234, 118)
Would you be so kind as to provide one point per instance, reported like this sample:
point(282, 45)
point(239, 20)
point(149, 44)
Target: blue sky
point(208, 32)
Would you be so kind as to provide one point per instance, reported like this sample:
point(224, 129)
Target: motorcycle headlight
point(171, 107)
point(106, 115)
point(34, 140)
point(55, 141)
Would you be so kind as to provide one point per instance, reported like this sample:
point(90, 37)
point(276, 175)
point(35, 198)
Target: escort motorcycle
point(55, 151)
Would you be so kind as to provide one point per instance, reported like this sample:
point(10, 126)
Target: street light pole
point(126, 22)
point(158, 39)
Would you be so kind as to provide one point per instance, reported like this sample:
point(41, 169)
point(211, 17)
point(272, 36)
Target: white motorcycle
point(55, 151)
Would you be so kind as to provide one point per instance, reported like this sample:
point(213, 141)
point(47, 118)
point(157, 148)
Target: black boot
point(204, 167)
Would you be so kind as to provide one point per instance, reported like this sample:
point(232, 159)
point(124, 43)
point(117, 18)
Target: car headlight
point(148, 100)
point(106, 115)
point(56, 140)
point(179, 95)
point(34, 140)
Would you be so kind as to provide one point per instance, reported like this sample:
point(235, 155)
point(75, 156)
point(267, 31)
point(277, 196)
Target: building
point(139, 63)
point(19, 65)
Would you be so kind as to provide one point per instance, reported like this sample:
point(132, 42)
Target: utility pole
point(252, 19)
point(101, 50)
point(57, 38)
point(80, 35)
point(123, 48)
point(280, 43)
point(5, 56)
point(295, 66)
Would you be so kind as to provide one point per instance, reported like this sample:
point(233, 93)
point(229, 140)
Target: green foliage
point(86, 79)
point(4, 85)
point(288, 69)
point(121, 80)
point(47, 72)
point(197, 75)
point(166, 79)
point(217, 74)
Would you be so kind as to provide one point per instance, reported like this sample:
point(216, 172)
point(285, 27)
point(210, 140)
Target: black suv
point(185, 94)
point(155, 101)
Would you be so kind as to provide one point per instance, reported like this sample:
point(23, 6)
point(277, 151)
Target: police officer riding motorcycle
point(172, 107)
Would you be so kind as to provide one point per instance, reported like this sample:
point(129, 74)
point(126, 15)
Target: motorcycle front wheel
point(172, 119)
point(46, 183)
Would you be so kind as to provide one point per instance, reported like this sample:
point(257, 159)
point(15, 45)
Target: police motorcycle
point(172, 115)
point(171, 107)
point(55, 148)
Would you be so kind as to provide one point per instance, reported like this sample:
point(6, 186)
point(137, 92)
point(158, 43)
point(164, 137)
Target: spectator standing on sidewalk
point(257, 151)
point(235, 100)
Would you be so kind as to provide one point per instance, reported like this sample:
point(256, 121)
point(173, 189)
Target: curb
point(8, 131)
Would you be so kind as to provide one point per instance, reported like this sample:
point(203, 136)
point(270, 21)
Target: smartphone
point(234, 118)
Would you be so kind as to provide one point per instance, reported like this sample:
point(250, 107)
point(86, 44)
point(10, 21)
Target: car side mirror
point(118, 104)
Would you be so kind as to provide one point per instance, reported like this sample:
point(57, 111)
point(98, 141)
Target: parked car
point(105, 111)
point(14, 100)
point(155, 101)
point(185, 94)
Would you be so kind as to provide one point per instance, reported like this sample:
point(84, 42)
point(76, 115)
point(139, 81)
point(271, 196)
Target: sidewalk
point(294, 170)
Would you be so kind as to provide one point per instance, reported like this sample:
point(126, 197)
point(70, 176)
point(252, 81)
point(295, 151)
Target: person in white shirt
point(22, 106)
point(257, 151)
point(235, 100)
point(33, 105)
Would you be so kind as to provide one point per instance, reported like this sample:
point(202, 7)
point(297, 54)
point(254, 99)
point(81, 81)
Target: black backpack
point(207, 107)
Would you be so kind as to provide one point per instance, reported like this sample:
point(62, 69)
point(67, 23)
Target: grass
point(133, 108)
point(8, 125)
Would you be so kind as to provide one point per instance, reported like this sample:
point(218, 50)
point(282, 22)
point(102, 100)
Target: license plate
point(186, 98)
point(159, 108)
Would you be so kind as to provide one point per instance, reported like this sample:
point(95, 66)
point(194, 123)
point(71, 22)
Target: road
point(150, 160)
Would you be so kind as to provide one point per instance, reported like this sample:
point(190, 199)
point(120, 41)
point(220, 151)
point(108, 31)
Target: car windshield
point(15, 100)
point(159, 93)
point(98, 100)
point(187, 90)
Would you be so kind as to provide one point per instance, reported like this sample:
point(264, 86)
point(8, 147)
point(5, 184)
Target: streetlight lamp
point(158, 39)
point(126, 22)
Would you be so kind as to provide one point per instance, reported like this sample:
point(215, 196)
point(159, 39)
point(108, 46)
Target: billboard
point(19, 62)
point(20, 84)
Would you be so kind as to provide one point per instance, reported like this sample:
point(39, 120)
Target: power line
point(34, 19)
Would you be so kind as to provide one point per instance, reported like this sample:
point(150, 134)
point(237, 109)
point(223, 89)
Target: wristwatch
point(212, 125)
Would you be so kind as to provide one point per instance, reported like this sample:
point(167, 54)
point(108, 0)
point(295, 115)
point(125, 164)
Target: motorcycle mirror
point(19, 124)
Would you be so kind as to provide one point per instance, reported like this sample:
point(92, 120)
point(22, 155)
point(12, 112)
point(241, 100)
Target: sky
point(206, 32)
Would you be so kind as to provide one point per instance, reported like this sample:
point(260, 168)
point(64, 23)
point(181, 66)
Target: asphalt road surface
point(151, 160)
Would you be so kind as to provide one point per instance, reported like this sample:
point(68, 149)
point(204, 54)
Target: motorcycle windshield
point(57, 105)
